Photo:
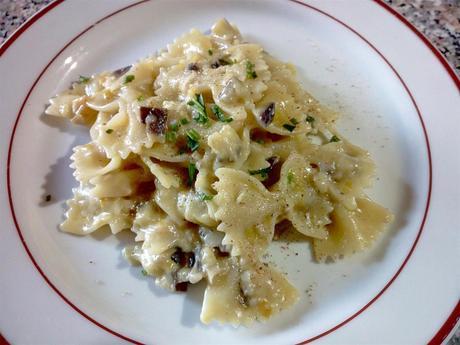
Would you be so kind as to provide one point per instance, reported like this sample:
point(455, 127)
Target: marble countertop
point(439, 20)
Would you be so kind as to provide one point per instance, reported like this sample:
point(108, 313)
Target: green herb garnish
point(294, 121)
point(210, 52)
point(334, 139)
point(262, 172)
point(224, 62)
point(129, 78)
point(192, 172)
point(290, 177)
point(220, 114)
point(289, 127)
point(141, 98)
point(193, 139)
point(205, 197)
point(174, 126)
point(110, 130)
point(83, 79)
point(144, 272)
point(310, 119)
point(250, 73)
point(199, 114)
point(183, 121)
point(170, 136)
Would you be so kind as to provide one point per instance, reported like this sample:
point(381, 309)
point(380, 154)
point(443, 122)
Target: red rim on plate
point(448, 325)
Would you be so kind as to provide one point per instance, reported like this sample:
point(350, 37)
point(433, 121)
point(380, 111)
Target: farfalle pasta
point(201, 151)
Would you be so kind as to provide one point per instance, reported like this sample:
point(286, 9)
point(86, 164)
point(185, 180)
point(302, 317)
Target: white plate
point(378, 73)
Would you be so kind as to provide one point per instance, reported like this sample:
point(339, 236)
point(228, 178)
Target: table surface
point(439, 20)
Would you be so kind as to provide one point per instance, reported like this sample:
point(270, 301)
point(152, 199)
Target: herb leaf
point(334, 139)
point(250, 73)
point(174, 126)
point(141, 98)
point(144, 272)
point(220, 114)
point(204, 196)
point(170, 136)
point(183, 121)
point(109, 131)
point(289, 127)
point(262, 172)
point(310, 119)
point(193, 139)
point(210, 52)
point(192, 172)
point(199, 113)
point(294, 121)
point(129, 78)
point(83, 80)
point(290, 177)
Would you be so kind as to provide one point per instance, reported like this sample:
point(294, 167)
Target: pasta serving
point(201, 150)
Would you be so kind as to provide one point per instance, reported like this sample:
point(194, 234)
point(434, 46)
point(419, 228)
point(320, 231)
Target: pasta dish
point(202, 150)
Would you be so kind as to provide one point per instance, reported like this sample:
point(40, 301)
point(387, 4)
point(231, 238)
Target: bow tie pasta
point(201, 150)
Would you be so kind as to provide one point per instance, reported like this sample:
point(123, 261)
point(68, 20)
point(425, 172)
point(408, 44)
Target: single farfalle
point(246, 211)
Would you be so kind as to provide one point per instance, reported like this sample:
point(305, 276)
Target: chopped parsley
point(199, 113)
point(193, 139)
point(170, 136)
point(205, 197)
point(289, 127)
point(334, 139)
point(310, 119)
point(294, 121)
point(290, 177)
point(224, 62)
point(144, 272)
point(262, 172)
point(192, 172)
point(183, 121)
point(83, 79)
point(250, 73)
point(220, 114)
point(210, 52)
point(129, 78)
point(109, 131)
point(174, 126)
point(141, 98)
